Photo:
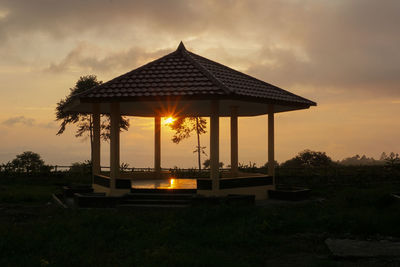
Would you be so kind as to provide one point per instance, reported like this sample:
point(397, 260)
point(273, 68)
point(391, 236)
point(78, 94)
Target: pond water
point(165, 184)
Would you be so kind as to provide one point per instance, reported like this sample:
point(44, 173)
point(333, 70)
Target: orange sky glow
point(341, 54)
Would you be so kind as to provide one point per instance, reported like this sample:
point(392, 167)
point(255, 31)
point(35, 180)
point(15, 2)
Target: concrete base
point(260, 192)
point(110, 192)
point(145, 175)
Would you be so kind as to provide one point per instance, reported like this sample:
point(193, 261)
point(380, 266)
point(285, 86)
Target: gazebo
point(187, 85)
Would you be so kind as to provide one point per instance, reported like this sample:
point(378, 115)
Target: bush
point(28, 162)
point(81, 167)
point(308, 158)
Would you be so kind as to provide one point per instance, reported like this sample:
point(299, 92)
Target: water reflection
point(171, 183)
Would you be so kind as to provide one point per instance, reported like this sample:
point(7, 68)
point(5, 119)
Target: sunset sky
point(344, 55)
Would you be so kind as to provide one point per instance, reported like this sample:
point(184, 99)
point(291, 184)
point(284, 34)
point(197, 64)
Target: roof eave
point(298, 105)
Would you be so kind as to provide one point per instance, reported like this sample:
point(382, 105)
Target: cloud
point(83, 58)
point(22, 120)
point(26, 121)
point(343, 44)
point(63, 18)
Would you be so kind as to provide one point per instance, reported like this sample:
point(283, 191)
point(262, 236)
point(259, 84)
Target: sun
point(169, 120)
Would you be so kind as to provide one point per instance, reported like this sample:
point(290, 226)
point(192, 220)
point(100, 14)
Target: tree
point(276, 164)
point(392, 160)
point(7, 167)
point(184, 127)
point(363, 160)
point(308, 158)
point(85, 120)
point(81, 167)
point(28, 162)
point(207, 164)
point(383, 156)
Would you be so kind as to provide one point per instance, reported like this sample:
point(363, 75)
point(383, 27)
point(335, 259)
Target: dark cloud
point(347, 44)
point(79, 58)
point(63, 18)
point(342, 44)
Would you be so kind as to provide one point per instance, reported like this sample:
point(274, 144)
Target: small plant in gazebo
point(184, 127)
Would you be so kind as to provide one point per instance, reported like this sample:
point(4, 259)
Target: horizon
point(342, 55)
point(166, 130)
point(375, 161)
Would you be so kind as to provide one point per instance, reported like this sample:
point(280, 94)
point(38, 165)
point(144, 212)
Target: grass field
point(34, 232)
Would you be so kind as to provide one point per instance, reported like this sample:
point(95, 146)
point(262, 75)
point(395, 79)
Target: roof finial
point(181, 46)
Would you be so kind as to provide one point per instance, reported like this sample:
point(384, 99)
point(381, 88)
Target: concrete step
point(155, 201)
point(128, 206)
point(163, 191)
point(158, 196)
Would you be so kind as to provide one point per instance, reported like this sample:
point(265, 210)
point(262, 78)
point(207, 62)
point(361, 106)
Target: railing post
point(271, 142)
point(214, 145)
point(234, 141)
point(114, 143)
point(96, 139)
point(157, 144)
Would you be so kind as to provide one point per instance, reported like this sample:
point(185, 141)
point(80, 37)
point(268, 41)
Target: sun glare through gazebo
point(169, 120)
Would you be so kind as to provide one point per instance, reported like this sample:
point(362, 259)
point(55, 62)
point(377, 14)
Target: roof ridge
point(253, 78)
point(181, 46)
point(204, 70)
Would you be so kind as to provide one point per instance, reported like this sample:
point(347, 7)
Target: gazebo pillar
point(114, 143)
point(157, 144)
point(96, 139)
point(234, 141)
point(214, 145)
point(271, 143)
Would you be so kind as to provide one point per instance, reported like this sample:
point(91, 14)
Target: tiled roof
point(183, 73)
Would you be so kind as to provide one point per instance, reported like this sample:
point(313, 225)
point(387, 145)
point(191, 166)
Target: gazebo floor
point(150, 198)
point(171, 183)
point(256, 185)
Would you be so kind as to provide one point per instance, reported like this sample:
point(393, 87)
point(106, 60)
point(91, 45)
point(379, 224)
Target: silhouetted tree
point(207, 164)
point(81, 167)
point(7, 167)
point(184, 127)
point(123, 167)
point(85, 120)
point(276, 164)
point(363, 160)
point(392, 160)
point(308, 158)
point(250, 167)
point(28, 162)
